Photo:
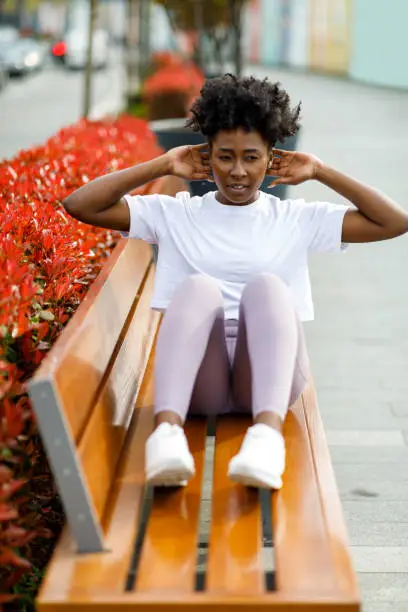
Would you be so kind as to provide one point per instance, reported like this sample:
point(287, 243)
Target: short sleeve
point(321, 223)
point(146, 216)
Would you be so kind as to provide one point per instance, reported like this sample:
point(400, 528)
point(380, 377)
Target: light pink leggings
point(206, 365)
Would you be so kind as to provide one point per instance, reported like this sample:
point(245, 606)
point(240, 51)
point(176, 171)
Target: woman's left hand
point(292, 167)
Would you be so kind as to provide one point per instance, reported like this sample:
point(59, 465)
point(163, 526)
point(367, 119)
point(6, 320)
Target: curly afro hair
point(230, 102)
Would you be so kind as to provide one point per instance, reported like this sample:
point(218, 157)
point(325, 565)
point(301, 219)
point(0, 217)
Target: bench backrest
point(85, 390)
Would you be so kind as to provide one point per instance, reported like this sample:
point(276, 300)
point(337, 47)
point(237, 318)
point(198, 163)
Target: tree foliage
point(219, 22)
point(185, 14)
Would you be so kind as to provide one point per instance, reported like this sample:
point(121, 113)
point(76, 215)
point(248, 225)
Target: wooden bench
point(93, 397)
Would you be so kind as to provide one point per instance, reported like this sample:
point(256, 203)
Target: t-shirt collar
point(211, 196)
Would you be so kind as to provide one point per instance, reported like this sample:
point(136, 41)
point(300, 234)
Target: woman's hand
point(292, 168)
point(190, 162)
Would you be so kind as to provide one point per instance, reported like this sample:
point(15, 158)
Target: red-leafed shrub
point(170, 91)
point(47, 262)
point(163, 59)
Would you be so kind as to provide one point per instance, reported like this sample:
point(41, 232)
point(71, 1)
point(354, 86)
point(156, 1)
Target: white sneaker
point(169, 462)
point(261, 459)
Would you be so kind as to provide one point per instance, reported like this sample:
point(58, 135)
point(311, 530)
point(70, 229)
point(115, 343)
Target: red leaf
point(7, 512)
point(7, 598)
point(42, 330)
point(14, 419)
point(5, 474)
point(13, 533)
point(9, 488)
point(28, 288)
point(9, 557)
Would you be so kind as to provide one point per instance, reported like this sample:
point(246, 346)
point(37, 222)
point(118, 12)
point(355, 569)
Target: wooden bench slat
point(106, 429)
point(302, 554)
point(78, 360)
point(200, 602)
point(169, 553)
point(333, 515)
point(235, 553)
point(70, 575)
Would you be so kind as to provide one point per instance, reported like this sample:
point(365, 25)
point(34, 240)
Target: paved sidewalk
point(359, 341)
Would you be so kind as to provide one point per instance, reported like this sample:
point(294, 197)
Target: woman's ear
point(269, 171)
point(270, 160)
point(210, 178)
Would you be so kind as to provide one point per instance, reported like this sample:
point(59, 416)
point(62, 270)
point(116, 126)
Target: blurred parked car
point(72, 49)
point(8, 35)
point(23, 56)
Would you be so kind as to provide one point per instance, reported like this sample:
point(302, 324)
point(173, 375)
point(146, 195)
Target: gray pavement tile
point(358, 419)
point(383, 606)
point(346, 381)
point(378, 512)
point(370, 455)
point(365, 396)
point(400, 408)
point(365, 533)
point(363, 365)
point(384, 588)
point(367, 472)
point(268, 559)
point(364, 408)
point(365, 401)
point(394, 380)
point(376, 438)
point(355, 487)
point(205, 520)
point(206, 491)
point(380, 559)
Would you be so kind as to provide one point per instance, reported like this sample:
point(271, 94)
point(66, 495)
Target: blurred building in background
point(363, 39)
point(54, 17)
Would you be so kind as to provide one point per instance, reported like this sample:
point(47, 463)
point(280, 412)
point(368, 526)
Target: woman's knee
point(201, 289)
point(266, 284)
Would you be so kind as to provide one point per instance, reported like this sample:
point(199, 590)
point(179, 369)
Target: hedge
point(47, 263)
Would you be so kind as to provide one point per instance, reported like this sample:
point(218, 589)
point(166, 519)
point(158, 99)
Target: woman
point(232, 275)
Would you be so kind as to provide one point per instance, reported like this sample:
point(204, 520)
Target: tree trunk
point(89, 63)
point(20, 8)
point(144, 37)
point(236, 7)
point(199, 27)
point(132, 48)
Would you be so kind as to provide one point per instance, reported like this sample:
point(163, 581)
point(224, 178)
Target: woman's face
point(239, 161)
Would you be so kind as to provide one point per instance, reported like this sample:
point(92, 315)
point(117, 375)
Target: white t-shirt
point(232, 244)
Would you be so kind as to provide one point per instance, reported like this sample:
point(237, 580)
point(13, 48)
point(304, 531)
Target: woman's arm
point(101, 201)
point(377, 217)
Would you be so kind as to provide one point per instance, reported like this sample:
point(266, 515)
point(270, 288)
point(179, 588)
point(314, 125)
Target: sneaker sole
point(259, 480)
point(170, 476)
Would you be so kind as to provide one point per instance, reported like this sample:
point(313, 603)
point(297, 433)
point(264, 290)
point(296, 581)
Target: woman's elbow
point(70, 205)
point(398, 229)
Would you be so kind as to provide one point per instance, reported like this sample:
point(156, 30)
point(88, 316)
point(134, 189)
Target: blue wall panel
point(379, 52)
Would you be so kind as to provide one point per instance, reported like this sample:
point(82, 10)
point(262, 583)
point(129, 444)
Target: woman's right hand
point(190, 162)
